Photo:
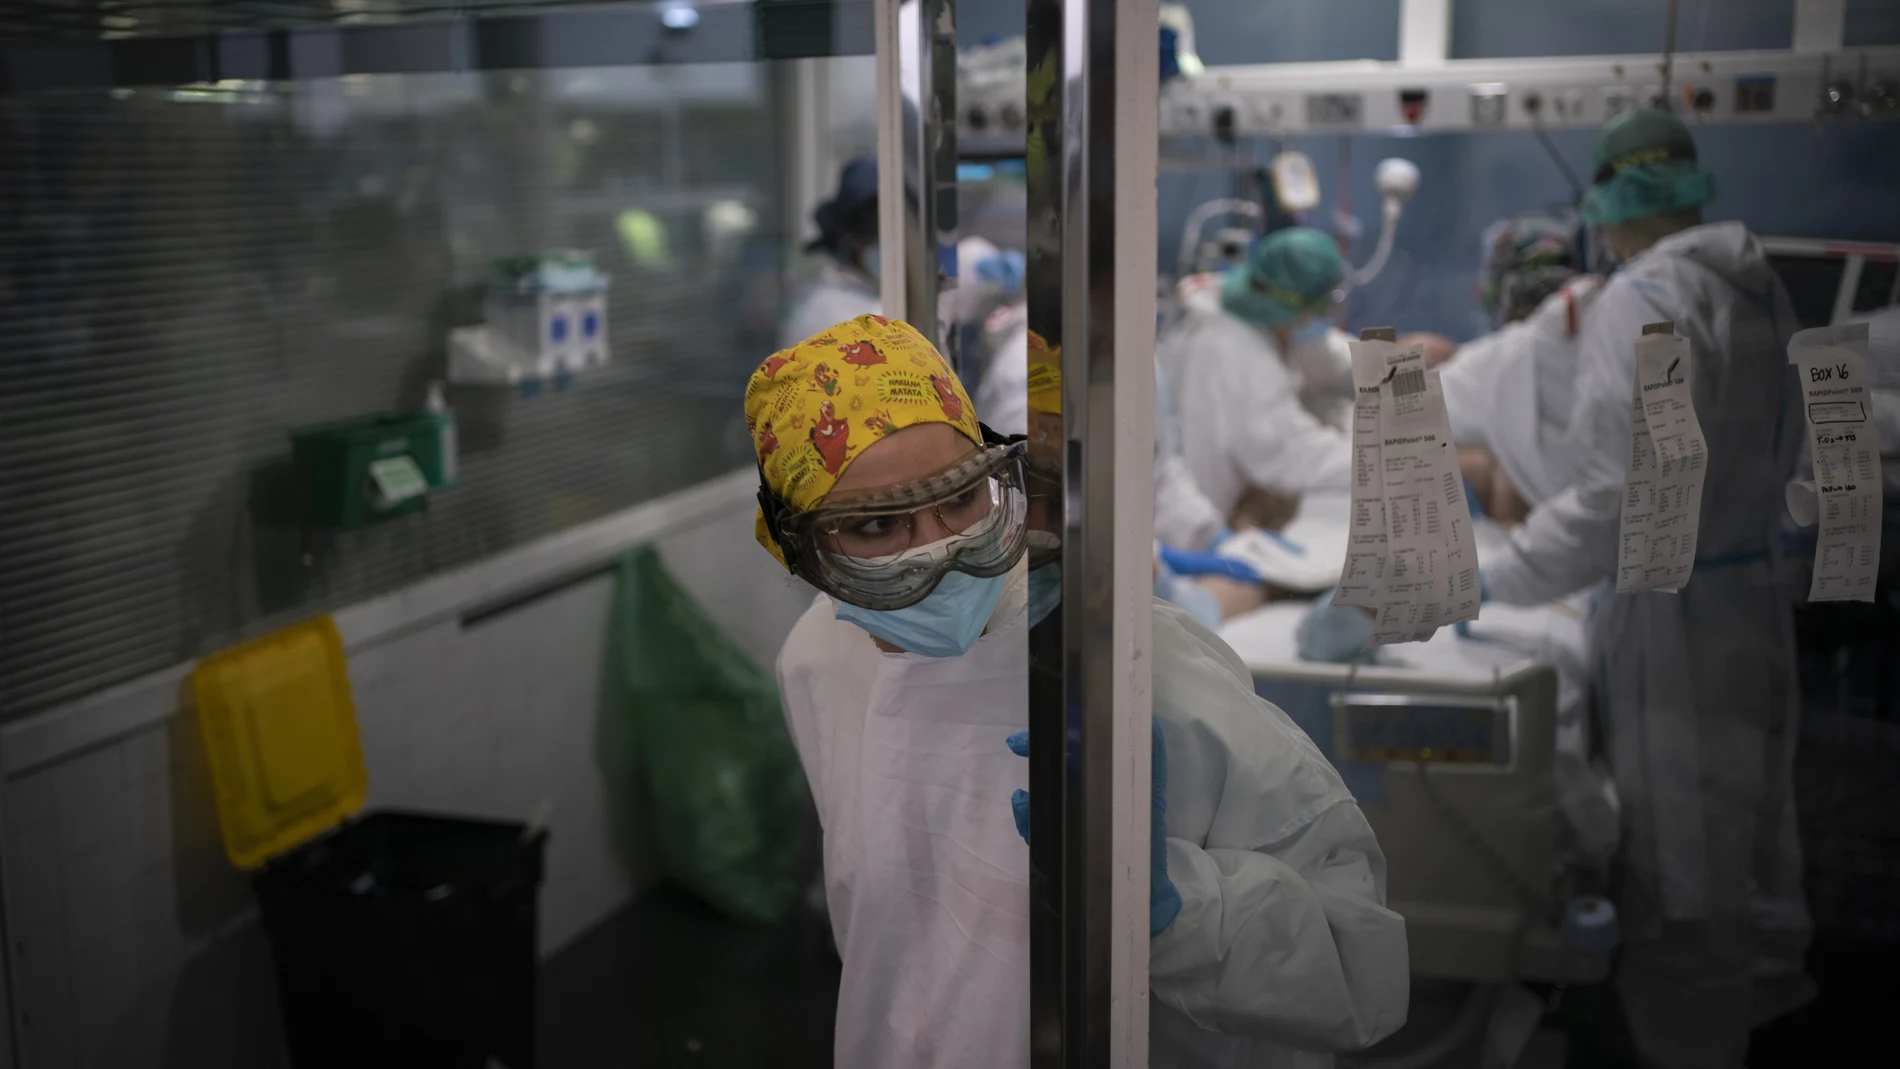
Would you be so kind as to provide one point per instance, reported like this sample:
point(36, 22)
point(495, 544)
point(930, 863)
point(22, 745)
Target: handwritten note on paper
point(1832, 364)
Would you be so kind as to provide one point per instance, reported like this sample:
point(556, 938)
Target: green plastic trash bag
point(723, 792)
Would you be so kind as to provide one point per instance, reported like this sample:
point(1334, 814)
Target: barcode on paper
point(1407, 383)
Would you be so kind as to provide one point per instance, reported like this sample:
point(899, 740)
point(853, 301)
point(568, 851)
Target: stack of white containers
point(546, 320)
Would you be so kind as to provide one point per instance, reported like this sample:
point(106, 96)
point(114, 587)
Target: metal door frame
point(1091, 284)
point(1094, 86)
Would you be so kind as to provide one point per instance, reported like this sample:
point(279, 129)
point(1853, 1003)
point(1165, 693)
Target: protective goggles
point(888, 549)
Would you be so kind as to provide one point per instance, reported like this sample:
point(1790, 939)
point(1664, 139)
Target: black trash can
point(407, 939)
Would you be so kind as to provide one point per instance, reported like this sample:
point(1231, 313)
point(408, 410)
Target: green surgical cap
point(1288, 273)
point(1644, 164)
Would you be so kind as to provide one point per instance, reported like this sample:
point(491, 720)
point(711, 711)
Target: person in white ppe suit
point(1003, 387)
point(1509, 392)
point(1184, 517)
point(1243, 424)
point(1883, 365)
point(1698, 686)
point(904, 684)
point(846, 268)
point(1319, 354)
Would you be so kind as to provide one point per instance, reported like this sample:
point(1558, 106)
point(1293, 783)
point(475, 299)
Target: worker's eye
point(966, 508)
point(873, 536)
point(873, 527)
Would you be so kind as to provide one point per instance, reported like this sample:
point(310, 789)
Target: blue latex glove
point(1188, 562)
point(1004, 270)
point(1164, 901)
point(1332, 633)
point(1199, 601)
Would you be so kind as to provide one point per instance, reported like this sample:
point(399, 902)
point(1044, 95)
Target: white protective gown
point(1003, 394)
point(1184, 517)
point(1242, 420)
point(1511, 390)
point(1701, 689)
point(1283, 941)
point(837, 293)
point(1325, 371)
point(1883, 367)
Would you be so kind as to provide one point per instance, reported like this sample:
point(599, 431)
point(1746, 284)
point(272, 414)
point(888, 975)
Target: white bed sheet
point(1501, 639)
point(1502, 636)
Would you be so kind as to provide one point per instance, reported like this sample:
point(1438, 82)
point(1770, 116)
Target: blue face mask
point(945, 624)
point(1045, 592)
point(1312, 331)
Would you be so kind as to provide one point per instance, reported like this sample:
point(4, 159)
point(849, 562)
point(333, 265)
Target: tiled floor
point(666, 982)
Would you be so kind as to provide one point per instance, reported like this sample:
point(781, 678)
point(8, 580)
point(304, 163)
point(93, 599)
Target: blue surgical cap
point(1644, 164)
point(1004, 270)
point(857, 187)
point(1288, 274)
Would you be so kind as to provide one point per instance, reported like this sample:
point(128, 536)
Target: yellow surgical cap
point(814, 407)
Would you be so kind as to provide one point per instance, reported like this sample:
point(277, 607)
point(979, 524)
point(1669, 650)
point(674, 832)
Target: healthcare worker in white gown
point(1699, 686)
point(1510, 392)
point(1320, 354)
point(1238, 396)
point(844, 281)
point(1184, 517)
point(903, 683)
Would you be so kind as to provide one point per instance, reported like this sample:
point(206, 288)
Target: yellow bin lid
point(280, 738)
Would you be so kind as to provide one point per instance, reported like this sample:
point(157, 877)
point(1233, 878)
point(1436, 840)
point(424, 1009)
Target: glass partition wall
point(282, 221)
point(223, 225)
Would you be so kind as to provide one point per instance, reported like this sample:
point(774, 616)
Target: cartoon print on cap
point(861, 354)
point(830, 436)
point(814, 407)
point(905, 388)
point(947, 397)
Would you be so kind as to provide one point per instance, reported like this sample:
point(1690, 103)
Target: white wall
point(132, 941)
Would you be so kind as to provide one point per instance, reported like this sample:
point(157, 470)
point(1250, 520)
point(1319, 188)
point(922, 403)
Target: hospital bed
point(1467, 753)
